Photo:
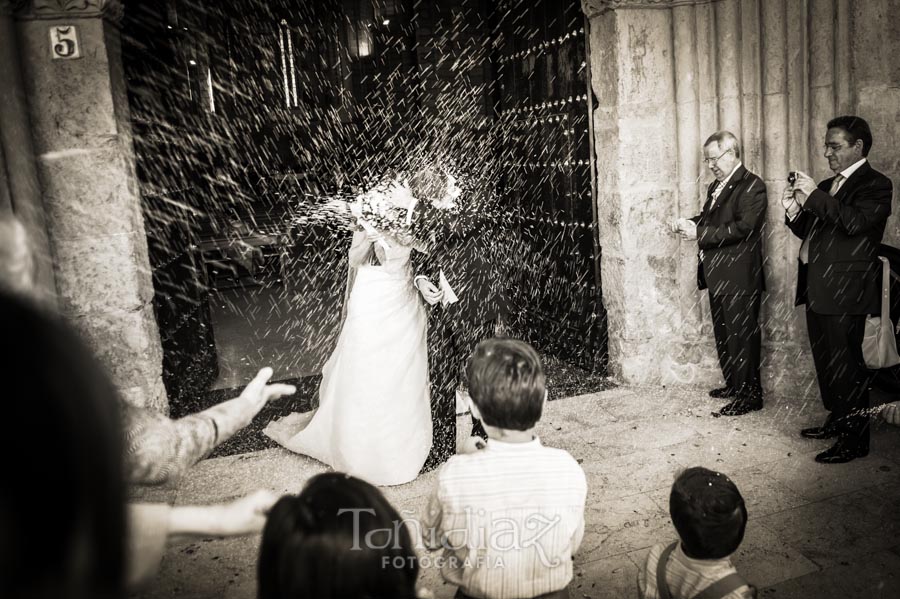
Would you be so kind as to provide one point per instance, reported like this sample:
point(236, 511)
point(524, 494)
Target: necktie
point(804, 247)
point(717, 190)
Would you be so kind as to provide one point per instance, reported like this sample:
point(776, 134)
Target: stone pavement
point(814, 530)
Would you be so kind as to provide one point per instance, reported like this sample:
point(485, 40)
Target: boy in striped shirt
point(710, 517)
point(510, 515)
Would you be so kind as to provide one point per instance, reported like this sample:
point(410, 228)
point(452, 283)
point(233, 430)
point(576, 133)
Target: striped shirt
point(509, 518)
point(686, 576)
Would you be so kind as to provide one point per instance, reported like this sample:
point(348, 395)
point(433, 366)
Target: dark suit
point(464, 249)
point(840, 286)
point(729, 235)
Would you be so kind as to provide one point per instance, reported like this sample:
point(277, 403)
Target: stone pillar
point(876, 87)
point(636, 142)
point(82, 140)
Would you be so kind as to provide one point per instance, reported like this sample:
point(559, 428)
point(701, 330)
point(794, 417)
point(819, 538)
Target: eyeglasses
point(834, 147)
point(712, 161)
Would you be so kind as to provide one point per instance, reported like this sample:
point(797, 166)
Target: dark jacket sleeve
point(871, 207)
point(749, 218)
point(800, 226)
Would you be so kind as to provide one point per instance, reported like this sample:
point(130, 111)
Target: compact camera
point(792, 178)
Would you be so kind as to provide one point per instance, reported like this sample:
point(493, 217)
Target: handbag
point(879, 345)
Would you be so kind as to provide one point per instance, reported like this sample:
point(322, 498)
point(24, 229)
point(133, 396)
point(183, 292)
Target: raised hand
point(258, 393)
point(787, 199)
point(803, 186)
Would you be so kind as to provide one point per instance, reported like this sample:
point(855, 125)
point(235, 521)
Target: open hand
point(246, 515)
point(430, 293)
point(258, 393)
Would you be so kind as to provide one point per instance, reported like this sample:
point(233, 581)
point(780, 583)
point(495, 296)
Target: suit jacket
point(729, 235)
point(844, 273)
point(463, 246)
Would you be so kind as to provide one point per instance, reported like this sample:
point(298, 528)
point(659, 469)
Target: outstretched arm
point(160, 450)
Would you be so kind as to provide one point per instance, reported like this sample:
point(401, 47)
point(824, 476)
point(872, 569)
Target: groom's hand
point(429, 292)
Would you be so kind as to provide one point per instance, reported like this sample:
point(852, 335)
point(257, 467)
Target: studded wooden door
point(544, 102)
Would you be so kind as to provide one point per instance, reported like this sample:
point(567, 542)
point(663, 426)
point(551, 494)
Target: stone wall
point(666, 74)
point(85, 162)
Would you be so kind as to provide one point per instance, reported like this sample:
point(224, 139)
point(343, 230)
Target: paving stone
point(873, 576)
point(811, 526)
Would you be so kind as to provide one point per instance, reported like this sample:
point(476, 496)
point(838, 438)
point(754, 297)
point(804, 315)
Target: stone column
point(82, 140)
point(874, 46)
point(728, 65)
point(637, 150)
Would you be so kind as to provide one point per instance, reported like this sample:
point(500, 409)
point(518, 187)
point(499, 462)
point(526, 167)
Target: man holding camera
point(841, 222)
point(729, 235)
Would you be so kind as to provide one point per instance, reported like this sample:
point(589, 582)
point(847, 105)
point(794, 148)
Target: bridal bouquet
point(377, 212)
point(384, 210)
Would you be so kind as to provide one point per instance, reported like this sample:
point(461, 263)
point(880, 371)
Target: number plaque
point(64, 42)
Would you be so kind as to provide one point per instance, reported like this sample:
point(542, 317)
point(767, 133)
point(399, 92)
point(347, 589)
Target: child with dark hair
point(710, 517)
point(508, 516)
point(338, 539)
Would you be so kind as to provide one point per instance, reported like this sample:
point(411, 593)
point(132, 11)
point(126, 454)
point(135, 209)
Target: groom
point(460, 250)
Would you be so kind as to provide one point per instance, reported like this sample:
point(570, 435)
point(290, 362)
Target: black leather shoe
point(722, 392)
point(819, 432)
point(739, 407)
point(842, 452)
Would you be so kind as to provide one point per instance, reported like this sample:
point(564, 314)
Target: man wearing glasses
point(841, 222)
point(729, 234)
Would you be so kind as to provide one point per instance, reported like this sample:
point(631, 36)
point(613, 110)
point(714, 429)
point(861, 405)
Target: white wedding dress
point(374, 414)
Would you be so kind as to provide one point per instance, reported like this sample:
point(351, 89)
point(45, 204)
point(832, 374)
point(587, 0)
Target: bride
point(374, 414)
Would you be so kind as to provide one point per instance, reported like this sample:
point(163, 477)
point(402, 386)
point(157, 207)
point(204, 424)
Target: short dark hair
point(314, 544)
point(506, 382)
point(58, 388)
point(708, 512)
point(856, 128)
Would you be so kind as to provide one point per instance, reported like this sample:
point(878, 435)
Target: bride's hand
point(374, 237)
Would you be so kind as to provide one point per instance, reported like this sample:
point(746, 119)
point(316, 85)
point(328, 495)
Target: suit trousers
point(737, 332)
point(844, 380)
point(450, 343)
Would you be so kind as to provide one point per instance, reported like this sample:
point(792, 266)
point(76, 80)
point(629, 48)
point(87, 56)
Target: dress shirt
point(513, 516)
point(717, 190)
